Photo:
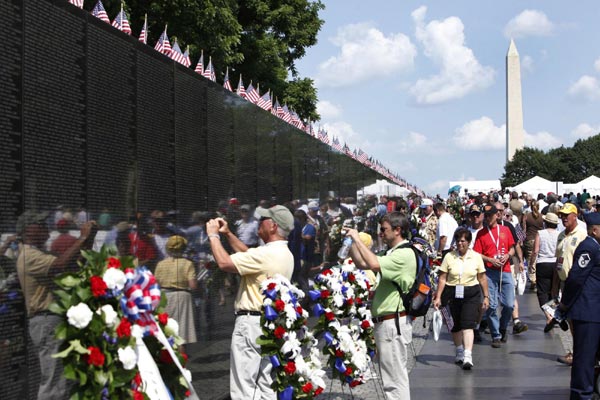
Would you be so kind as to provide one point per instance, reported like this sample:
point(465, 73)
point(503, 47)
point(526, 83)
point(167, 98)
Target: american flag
point(100, 12)
point(323, 136)
point(200, 66)
point(308, 128)
point(186, 58)
point(176, 53)
point(265, 102)
point(163, 45)
point(226, 83)
point(121, 23)
point(77, 3)
point(362, 156)
point(336, 145)
point(287, 117)
point(240, 91)
point(251, 94)
point(296, 121)
point(144, 33)
point(346, 150)
point(276, 108)
point(209, 72)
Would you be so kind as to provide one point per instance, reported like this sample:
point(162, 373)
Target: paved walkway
point(524, 368)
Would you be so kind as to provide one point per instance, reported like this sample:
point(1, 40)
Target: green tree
point(260, 39)
point(526, 164)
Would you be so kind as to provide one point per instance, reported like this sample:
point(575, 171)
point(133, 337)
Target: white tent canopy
point(591, 183)
point(537, 184)
point(383, 187)
point(476, 186)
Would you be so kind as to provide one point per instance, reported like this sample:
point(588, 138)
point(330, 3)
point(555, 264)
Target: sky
point(420, 85)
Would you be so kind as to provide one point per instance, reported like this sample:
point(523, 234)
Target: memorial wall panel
point(11, 24)
point(244, 118)
point(111, 122)
point(155, 133)
point(265, 152)
point(190, 145)
point(53, 108)
point(282, 161)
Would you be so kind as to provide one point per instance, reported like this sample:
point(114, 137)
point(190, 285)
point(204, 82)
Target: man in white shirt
point(445, 229)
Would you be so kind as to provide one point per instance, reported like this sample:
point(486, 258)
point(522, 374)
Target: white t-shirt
point(446, 227)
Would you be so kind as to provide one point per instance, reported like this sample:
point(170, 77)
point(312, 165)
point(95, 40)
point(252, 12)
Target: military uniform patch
point(584, 260)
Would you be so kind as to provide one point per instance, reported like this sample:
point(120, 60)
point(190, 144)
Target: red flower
point(350, 262)
point(354, 383)
point(339, 353)
point(299, 310)
point(349, 301)
point(348, 371)
point(165, 357)
point(124, 328)
point(187, 393)
point(279, 332)
point(324, 294)
point(114, 262)
point(290, 367)
point(271, 286)
point(137, 395)
point(95, 357)
point(98, 286)
point(327, 272)
point(365, 324)
point(137, 379)
point(185, 358)
point(368, 284)
point(358, 301)
point(318, 391)
point(329, 316)
point(351, 278)
point(279, 305)
point(307, 388)
point(163, 318)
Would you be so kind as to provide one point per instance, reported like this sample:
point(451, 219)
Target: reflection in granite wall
point(94, 121)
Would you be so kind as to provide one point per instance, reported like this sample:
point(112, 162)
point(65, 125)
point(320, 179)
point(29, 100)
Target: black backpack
point(419, 297)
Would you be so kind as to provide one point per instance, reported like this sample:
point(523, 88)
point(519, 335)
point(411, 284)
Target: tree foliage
point(260, 39)
point(563, 164)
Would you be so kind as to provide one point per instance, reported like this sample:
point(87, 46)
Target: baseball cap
point(245, 207)
point(280, 214)
point(568, 208)
point(313, 205)
point(592, 218)
point(474, 208)
point(30, 218)
point(426, 202)
point(550, 217)
point(489, 209)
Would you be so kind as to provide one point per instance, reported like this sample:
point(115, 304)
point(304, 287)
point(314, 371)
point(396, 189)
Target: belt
point(170, 289)
point(388, 316)
point(246, 312)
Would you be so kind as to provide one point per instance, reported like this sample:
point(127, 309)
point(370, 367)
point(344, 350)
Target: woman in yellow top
point(461, 283)
point(176, 276)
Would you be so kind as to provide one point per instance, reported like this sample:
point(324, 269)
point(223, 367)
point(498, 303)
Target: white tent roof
point(476, 186)
point(591, 183)
point(381, 187)
point(536, 185)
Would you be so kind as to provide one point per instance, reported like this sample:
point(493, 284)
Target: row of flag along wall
point(251, 94)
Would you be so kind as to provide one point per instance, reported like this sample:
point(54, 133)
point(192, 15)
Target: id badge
point(460, 292)
point(559, 263)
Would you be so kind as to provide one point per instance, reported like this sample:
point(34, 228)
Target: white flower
point(111, 318)
point(187, 374)
point(290, 313)
point(172, 326)
point(114, 278)
point(267, 302)
point(80, 315)
point(137, 331)
point(291, 345)
point(338, 300)
point(128, 357)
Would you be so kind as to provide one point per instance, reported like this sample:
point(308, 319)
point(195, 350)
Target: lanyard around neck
point(496, 243)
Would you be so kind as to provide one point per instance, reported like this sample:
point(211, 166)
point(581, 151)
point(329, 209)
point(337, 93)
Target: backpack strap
point(399, 289)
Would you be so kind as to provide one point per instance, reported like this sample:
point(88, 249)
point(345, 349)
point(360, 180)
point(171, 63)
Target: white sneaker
point(467, 362)
point(460, 356)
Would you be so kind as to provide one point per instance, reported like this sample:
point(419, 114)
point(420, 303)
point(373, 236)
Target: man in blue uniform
point(581, 301)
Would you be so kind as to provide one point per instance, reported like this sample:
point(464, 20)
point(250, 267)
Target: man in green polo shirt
point(393, 329)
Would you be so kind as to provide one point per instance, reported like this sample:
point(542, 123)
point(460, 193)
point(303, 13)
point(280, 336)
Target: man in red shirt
point(496, 245)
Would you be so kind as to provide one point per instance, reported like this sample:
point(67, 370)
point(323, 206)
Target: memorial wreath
point(115, 330)
point(285, 339)
point(340, 295)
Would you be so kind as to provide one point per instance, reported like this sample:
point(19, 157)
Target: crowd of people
point(483, 242)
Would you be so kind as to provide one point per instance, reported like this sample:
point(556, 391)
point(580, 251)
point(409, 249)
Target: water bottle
point(345, 249)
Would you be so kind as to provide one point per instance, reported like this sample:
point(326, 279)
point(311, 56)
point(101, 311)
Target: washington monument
point(515, 136)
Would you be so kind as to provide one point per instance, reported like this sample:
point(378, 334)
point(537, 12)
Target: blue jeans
point(500, 294)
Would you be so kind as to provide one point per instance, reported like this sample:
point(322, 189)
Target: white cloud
point(365, 53)
point(438, 186)
point(343, 131)
point(597, 65)
point(417, 139)
point(542, 140)
point(527, 64)
point(585, 130)
point(529, 23)
point(480, 134)
point(328, 110)
point(460, 72)
point(586, 88)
